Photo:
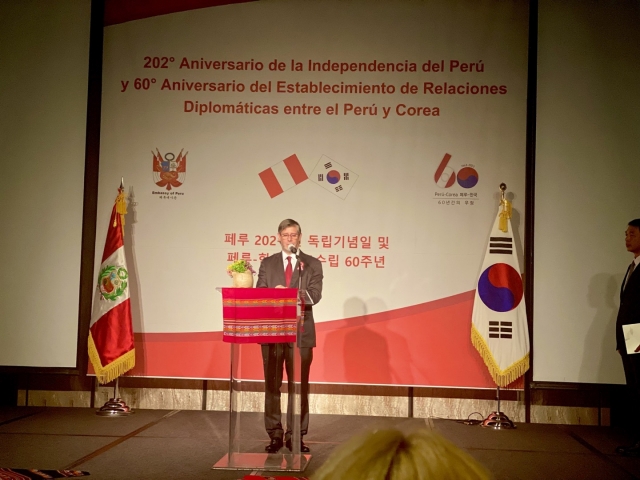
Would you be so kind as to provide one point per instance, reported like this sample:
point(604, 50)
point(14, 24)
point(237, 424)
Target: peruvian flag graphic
point(283, 175)
point(111, 348)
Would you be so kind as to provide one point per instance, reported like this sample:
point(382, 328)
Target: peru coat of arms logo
point(112, 282)
point(169, 171)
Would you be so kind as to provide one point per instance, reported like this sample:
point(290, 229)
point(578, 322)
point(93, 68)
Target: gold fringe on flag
point(501, 377)
point(116, 368)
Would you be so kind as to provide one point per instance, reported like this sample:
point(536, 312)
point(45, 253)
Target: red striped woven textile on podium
point(259, 315)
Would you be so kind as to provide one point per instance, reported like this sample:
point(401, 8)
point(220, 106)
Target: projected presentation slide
point(384, 129)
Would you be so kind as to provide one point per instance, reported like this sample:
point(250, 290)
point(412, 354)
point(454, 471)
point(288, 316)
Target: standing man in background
point(280, 271)
point(628, 314)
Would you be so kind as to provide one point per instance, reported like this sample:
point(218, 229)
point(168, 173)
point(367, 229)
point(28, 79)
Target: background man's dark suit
point(629, 313)
point(271, 274)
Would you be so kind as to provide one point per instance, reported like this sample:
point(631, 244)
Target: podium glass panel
point(247, 436)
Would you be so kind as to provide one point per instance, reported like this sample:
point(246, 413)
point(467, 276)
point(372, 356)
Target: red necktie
point(288, 272)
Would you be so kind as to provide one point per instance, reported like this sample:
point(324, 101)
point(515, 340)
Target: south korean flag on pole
point(333, 177)
point(499, 328)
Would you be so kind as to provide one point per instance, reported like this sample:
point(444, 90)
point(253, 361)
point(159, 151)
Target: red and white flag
point(111, 347)
point(283, 176)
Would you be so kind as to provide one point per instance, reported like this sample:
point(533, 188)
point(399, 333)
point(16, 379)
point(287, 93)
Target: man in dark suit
point(282, 271)
point(629, 313)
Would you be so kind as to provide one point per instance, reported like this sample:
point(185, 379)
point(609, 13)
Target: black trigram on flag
point(500, 329)
point(501, 245)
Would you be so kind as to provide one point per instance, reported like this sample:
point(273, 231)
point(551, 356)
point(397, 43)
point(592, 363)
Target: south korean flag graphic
point(499, 321)
point(333, 177)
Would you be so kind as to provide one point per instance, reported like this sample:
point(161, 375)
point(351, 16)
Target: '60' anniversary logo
point(446, 176)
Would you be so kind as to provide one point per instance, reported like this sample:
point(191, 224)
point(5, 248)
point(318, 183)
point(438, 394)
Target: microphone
point(293, 249)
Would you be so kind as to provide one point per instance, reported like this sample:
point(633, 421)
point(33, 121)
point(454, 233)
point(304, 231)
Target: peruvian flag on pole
point(111, 348)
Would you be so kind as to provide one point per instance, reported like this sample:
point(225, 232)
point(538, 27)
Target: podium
point(260, 315)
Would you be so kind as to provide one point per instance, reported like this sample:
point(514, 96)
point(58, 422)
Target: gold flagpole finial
point(121, 204)
point(505, 212)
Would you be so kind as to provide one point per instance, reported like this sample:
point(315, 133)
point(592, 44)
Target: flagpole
point(498, 420)
point(116, 407)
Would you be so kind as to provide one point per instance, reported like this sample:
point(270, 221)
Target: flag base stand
point(497, 421)
point(115, 407)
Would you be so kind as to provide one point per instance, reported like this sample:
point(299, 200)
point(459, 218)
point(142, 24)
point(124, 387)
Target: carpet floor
point(186, 444)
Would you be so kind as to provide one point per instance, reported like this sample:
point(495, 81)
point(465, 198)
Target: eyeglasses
point(292, 236)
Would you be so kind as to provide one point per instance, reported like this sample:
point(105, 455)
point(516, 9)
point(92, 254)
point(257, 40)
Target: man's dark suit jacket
point(629, 311)
point(271, 273)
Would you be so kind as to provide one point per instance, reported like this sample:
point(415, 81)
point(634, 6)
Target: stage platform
point(184, 444)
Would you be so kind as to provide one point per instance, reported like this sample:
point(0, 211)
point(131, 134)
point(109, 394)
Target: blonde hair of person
point(392, 455)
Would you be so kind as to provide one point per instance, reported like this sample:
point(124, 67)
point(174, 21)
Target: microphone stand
point(296, 253)
point(297, 365)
